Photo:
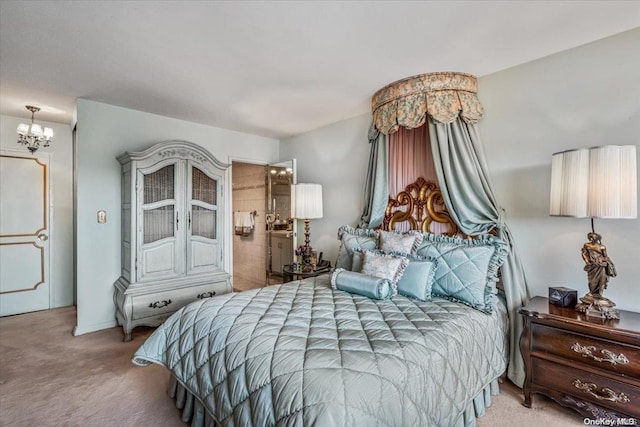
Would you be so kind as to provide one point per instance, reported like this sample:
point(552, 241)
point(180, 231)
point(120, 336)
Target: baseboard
point(85, 329)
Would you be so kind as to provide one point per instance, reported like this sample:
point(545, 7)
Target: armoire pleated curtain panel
point(449, 104)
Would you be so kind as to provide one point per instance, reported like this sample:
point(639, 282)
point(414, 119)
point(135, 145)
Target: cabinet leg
point(527, 399)
point(127, 336)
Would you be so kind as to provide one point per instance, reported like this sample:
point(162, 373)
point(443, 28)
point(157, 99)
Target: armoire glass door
point(202, 217)
point(160, 223)
point(159, 204)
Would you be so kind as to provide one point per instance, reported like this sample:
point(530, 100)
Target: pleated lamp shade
point(599, 182)
point(307, 201)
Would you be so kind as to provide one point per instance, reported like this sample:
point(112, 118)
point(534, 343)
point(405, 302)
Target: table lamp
point(598, 182)
point(307, 205)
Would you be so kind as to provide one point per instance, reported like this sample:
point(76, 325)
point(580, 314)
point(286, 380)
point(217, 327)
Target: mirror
point(280, 227)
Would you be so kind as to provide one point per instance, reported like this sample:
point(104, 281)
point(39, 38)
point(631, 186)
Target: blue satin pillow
point(354, 238)
point(361, 284)
point(467, 269)
point(417, 279)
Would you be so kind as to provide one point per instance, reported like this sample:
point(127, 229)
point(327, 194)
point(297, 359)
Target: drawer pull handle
point(603, 394)
point(611, 357)
point(206, 295)
point(160, 304)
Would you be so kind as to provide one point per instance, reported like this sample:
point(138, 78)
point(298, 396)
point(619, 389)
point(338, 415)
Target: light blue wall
point(335, 156)
point(583, 97)
point(577, 98)
point(104, 132)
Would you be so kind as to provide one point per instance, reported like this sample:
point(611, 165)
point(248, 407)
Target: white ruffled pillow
point(395, 241)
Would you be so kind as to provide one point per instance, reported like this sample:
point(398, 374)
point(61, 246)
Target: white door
point(24, 233)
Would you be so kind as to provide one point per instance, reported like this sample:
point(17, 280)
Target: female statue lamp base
point(599, 269)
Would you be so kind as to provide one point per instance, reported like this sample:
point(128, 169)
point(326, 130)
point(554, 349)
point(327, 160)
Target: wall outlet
point(102, 217)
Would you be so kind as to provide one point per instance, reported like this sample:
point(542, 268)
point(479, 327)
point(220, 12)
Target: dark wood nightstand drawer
point(614, 357)
point(619, 396)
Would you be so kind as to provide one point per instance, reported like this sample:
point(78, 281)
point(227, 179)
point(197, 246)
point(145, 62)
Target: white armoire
point(173, 226)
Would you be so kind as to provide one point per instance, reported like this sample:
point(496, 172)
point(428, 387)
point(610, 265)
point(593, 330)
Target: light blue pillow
point(417, 279)
point(361, 284)
point(356, 260)
point(400, 242)
point(467, 269)
point(352, 238)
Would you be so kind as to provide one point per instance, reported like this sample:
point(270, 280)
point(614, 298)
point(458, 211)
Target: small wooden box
point(563, 297)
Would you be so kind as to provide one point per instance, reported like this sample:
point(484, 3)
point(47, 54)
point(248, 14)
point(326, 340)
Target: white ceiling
point(270, 68)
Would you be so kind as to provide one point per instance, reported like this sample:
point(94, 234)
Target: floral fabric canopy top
point(443, 95)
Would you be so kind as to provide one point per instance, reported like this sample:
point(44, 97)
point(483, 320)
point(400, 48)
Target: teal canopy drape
point(449, 103)
point(376, 191)
point(468, 194)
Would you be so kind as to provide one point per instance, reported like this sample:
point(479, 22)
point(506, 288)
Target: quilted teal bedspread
point(304, 354)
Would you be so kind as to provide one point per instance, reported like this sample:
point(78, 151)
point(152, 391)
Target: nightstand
point(588, 364)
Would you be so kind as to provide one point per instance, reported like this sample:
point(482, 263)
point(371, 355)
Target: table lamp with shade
point(598, 182)
point(307, 205)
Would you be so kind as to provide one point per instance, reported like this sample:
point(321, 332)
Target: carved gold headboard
point(420, 204)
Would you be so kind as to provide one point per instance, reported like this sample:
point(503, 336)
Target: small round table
point(289, 274)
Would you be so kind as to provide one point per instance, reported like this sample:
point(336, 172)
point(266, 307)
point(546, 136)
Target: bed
point(310, 353)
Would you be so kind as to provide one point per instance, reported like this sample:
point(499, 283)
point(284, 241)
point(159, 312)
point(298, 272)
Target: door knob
point(43, 237)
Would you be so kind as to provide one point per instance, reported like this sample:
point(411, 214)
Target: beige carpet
point(50, 378)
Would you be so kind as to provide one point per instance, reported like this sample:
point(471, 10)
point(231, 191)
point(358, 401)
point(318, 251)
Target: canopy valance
point(445, 96)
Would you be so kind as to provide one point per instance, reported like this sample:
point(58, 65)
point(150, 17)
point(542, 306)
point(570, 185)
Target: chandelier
point(32, 135)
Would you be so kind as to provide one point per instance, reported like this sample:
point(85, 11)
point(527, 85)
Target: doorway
point(248, 197)
point(280, 226)
point(264, 193)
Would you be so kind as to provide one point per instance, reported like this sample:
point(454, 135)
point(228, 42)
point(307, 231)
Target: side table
point(588, 364)
point(289, 274)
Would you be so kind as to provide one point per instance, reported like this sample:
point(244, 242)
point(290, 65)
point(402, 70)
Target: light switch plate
point(102, 217)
